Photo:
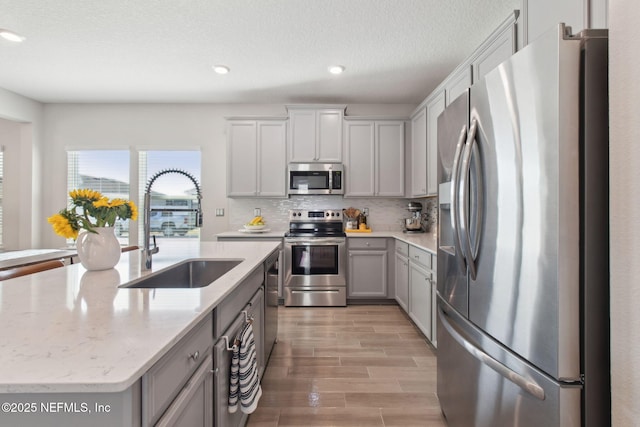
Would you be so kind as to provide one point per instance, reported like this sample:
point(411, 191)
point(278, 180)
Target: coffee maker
point(413, 224)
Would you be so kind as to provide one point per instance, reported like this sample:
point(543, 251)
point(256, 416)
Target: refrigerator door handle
point(470, 248)
point(525, 384)
point(455, 220)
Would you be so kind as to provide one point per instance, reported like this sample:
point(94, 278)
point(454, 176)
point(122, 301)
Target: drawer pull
point(195, 356)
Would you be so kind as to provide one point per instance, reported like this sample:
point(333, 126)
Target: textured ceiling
point(394, 51)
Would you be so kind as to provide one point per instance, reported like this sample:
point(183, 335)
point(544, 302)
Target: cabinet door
point(434, 109)
point(496, 52)
point(367, 274)
point(194, 404)
point(359, 152)
point(420, 298)
point(329, 136)
point(272, 166)
point(458, 83)
point(241, 151)
point(302, 136)
point(419, 153)
point(402, 281)
point(389, 148)
point(543, 15)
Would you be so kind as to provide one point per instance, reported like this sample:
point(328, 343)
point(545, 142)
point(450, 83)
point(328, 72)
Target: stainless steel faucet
point(147, 250)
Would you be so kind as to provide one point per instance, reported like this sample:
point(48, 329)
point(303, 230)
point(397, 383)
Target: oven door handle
point(315, 240)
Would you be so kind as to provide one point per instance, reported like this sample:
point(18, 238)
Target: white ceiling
point(394, 51)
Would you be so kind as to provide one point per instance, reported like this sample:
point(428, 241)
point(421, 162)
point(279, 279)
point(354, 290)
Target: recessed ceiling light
point(336, 69)
point(11, 36)
point(221, 69)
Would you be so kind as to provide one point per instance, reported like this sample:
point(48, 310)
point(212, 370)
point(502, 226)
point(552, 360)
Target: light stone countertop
point(72, 330)
point(427, 241)
point(11, 259)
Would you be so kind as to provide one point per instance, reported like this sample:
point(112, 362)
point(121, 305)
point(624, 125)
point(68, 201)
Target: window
point(173, 195)
point(106, 171)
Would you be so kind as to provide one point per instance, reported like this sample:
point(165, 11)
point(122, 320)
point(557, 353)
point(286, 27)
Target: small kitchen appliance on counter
point(315, 259)
point(413, 224)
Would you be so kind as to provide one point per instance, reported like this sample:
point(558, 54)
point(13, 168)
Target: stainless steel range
point(315, 259)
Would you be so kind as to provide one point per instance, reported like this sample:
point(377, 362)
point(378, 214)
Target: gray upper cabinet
point(419, 153)
point(457, 83)
point(374, 158)
point(498, 50)
point(434, 108)
point(256, 158)
point(315, 134)
point(542, 15)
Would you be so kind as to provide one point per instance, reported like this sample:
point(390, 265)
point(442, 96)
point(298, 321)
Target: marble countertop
point(72, 330)
point(11, 259)
point(427, 241)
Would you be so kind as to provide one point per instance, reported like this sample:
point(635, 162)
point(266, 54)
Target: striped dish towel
point(244, 381)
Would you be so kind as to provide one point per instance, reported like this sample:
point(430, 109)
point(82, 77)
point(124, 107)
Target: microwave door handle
point(330, 179)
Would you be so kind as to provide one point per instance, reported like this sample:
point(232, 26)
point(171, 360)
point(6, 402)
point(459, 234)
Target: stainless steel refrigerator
point(523, 258)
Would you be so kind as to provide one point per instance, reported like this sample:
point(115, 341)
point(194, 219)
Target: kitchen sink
point(188, 274)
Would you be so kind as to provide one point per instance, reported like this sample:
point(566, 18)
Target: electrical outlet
point(365, 211)
point(257, 212)
point(219, 211)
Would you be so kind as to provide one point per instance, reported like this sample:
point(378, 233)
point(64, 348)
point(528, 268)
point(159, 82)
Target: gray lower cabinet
point(368, 268)
point(222, 356)
point(402, 275)
point(422, 297)
point(193, 405)
point(174, 375)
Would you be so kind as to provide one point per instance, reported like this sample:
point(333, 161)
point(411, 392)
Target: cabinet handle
point(195, 356)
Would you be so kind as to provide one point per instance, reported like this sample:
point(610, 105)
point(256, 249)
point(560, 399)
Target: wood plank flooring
point(361, 365)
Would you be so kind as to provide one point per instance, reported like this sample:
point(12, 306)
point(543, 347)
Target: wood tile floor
point(361, 365)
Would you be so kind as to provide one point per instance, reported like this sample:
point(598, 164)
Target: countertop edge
point(128, 377)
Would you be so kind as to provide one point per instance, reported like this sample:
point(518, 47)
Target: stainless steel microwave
point(316, 178)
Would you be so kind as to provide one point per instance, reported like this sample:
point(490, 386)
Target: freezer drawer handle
point(526, 384)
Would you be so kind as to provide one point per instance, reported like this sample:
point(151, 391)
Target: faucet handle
point(155, 248)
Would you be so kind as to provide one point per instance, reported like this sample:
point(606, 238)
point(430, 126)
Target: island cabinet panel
point(73, 409)
point(167, 377)
point(193, 405)
point(254, 309)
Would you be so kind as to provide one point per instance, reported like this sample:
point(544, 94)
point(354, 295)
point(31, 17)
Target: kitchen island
point(68, 333)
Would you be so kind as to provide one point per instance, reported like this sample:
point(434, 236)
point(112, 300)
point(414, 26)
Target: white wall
point(23, 176)
point(624, 81)
point(156, 126)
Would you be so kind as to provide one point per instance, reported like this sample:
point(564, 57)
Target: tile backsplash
point(384, 214)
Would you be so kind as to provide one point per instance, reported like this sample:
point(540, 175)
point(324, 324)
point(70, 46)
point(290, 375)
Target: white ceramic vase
point(100, 250)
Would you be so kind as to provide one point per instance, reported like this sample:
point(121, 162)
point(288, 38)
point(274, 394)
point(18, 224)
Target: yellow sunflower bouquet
point(90, 209)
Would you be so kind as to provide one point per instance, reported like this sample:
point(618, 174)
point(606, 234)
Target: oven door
point(315, 270)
